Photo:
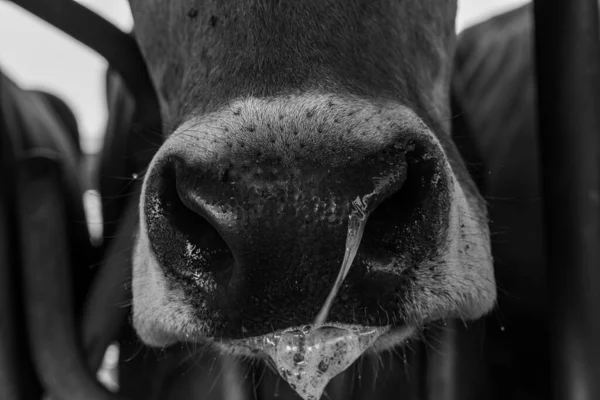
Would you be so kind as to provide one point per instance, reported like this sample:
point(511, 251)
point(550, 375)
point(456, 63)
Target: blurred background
point(38, 56)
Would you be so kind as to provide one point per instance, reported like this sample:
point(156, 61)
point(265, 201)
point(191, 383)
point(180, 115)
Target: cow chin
point(454, 281)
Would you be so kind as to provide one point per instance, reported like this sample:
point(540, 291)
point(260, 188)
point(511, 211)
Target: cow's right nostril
point(183, 240)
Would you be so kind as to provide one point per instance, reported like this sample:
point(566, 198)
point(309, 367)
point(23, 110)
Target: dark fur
point(232, 49)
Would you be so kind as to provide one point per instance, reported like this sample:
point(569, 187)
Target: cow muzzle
point(244, 225)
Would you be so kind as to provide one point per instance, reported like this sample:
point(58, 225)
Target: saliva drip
point(361, 209)
point(310, 357)
point(356, 226)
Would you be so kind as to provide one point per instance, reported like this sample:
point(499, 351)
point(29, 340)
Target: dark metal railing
point(118, 48)
point(568, 76)
point(123, 55)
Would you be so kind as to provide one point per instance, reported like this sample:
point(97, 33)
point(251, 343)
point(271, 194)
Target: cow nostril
point(187, 241)
point(406, 221)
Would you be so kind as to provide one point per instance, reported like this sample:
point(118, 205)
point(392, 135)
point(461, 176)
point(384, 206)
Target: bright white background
point(36, 55)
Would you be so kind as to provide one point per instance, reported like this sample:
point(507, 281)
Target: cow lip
point(251, 342)
point(309, 356)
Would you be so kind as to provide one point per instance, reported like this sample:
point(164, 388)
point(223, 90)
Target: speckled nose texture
point(254, 234)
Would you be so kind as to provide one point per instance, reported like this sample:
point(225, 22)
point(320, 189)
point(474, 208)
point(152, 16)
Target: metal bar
point(53, 338)
point(568, 68)
point(117, 47)
point(10, 381)
point(121, 52)
point(441, 373)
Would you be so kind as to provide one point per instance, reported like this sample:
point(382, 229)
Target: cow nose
point(234, 212)
point(249, 230)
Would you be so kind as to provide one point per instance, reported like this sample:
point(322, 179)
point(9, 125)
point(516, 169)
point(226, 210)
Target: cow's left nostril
point(183, 239)
point(403, 229)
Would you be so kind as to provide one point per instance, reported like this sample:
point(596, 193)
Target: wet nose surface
point(255, 239)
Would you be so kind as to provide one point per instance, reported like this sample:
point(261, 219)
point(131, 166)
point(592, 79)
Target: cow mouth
point(308, 357)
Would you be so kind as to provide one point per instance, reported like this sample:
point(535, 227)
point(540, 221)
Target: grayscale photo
point(299, 200)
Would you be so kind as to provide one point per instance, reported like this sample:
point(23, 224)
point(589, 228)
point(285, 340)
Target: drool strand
point(356, 226)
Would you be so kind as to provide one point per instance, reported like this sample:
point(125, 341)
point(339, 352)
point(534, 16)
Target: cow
point(34, 121)
point(283, 121)
point(37, 129)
